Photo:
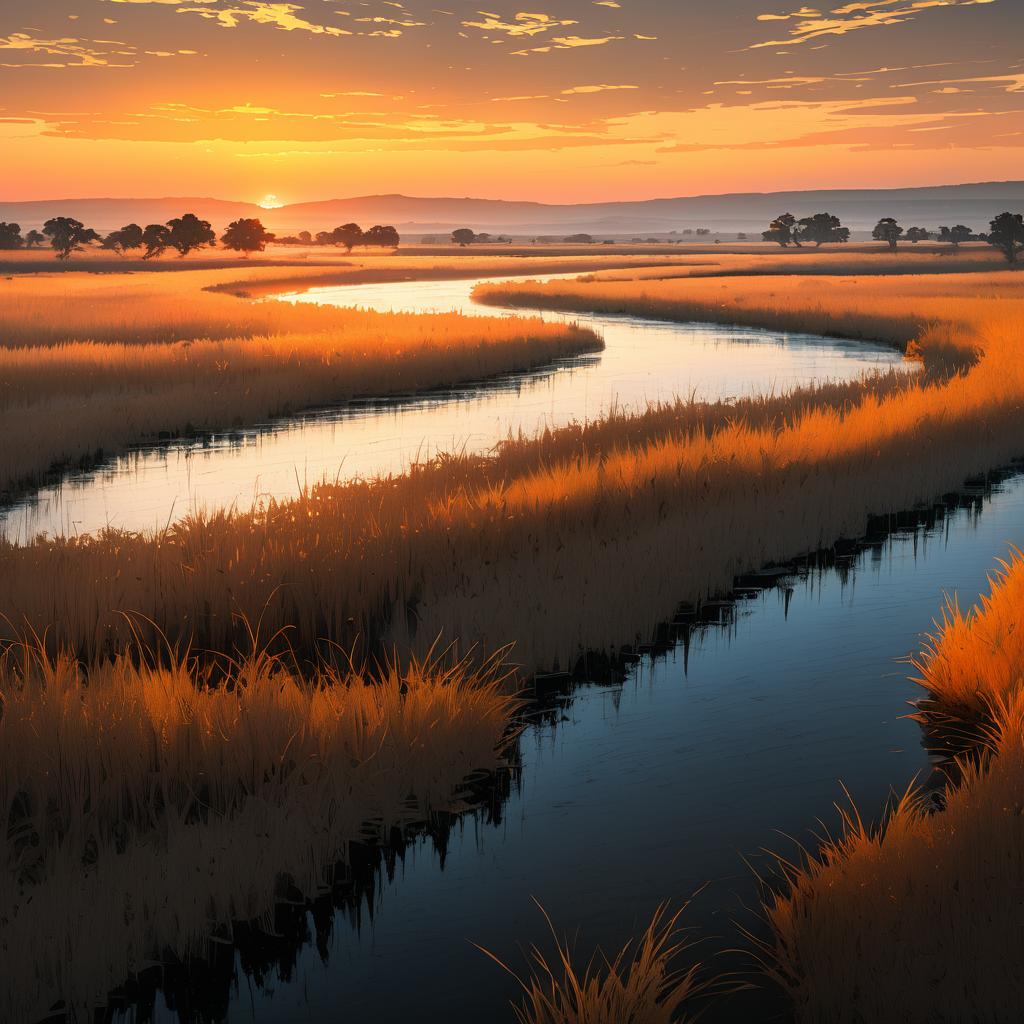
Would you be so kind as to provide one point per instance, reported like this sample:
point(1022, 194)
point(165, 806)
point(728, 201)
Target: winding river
point(643, 361)
point(627, 794)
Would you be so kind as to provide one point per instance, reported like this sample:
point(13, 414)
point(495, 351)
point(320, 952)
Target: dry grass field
point(483, 550)
point(146, 811)
point(91, 364)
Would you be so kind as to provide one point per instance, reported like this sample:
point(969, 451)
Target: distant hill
point(970, 204)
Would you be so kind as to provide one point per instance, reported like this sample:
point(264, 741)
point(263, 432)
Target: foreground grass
point(641, 984)
point(146, 811)
point(921, 919)
point(89, 366)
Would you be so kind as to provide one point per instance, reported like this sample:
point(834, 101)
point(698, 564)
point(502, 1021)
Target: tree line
point(1006, 233)
point(183, 234)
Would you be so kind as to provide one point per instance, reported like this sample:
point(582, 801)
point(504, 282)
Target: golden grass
point(920, 919)
point(146, 811)
point(637, 986)
point(95, 364)
point(975, 662)
point(628, 516)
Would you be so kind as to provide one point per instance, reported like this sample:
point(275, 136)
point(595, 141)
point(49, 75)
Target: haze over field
point(860, 209)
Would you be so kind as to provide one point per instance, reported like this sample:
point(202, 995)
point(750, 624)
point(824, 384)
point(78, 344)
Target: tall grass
point(639, 985)
point(147, 811)
point(164, 358)
point(582, 537)
point(920, 918)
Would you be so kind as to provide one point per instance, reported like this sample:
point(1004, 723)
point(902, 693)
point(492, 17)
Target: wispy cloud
point(809, 23)
point(283, 16)
point(522, 25)
point(577, 90)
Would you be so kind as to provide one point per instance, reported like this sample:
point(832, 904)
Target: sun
point(270, 202)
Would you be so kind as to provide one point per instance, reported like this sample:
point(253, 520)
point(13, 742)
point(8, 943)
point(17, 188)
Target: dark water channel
point(635, 792)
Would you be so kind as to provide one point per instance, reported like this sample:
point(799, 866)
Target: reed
point(913, 920)
point(148, 811)
point(639, 985)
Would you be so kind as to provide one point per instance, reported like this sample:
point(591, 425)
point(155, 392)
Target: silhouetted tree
point(10, 236)
point(821, 228)
point(34, 238)
point(955, 235)
point(741, 236)
point(916, 235)
point(188, 232)
point(246, 235)
point(348, 235)
point(155, 238)
point(784, 230)
point(68, 235)
point(381, 234)
point(305, 238)
point(1007, 235)
point(464, 236)
point(579, 239)
point(129, 237)
point(703, 231)
point(887, 230)
point(325, 238)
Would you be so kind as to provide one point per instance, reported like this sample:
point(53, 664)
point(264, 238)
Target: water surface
point(643, 361)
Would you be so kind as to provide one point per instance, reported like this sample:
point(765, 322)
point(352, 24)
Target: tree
point(580, 239)
point(325, 238)
point(821, 228)
point(68, 235)
point(463, 237)
point(348, 235)
point(10, 236)
point(156, 238)
point(1007, 235)
point(129, 237)
point(783, 230)
point(34, 238)
point(955, 235)
point(305, 238)
point(383, 235)
point(887, 230)
point(703, 231)
point(916, 235)
point(188, 232)
point(246, 235)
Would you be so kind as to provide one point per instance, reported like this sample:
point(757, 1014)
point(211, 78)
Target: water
point(643, 792)
point(643, 361)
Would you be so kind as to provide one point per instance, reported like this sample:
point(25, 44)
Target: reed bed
point(919, 919)
point(146, 811)
point(63, 402)
point(584, 537)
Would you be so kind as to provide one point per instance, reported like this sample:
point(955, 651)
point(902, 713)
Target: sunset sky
point(572, 100)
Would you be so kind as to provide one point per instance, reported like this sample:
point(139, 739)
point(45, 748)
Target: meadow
point(90, 364)
point(452, 547)
point(292, 745)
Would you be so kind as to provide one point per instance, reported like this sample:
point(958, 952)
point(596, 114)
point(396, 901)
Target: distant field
point(90, 365)
point(453, 547)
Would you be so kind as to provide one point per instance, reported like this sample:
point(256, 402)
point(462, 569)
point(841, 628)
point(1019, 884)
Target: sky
point(567, 101)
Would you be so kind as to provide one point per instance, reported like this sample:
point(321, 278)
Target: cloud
point(567, 43)
point(577, 90)
point(524, 24)
point(811, 24)
point(74, 53)
point(283, 16)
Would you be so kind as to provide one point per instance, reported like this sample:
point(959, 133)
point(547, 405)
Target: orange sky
point(586, 101)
